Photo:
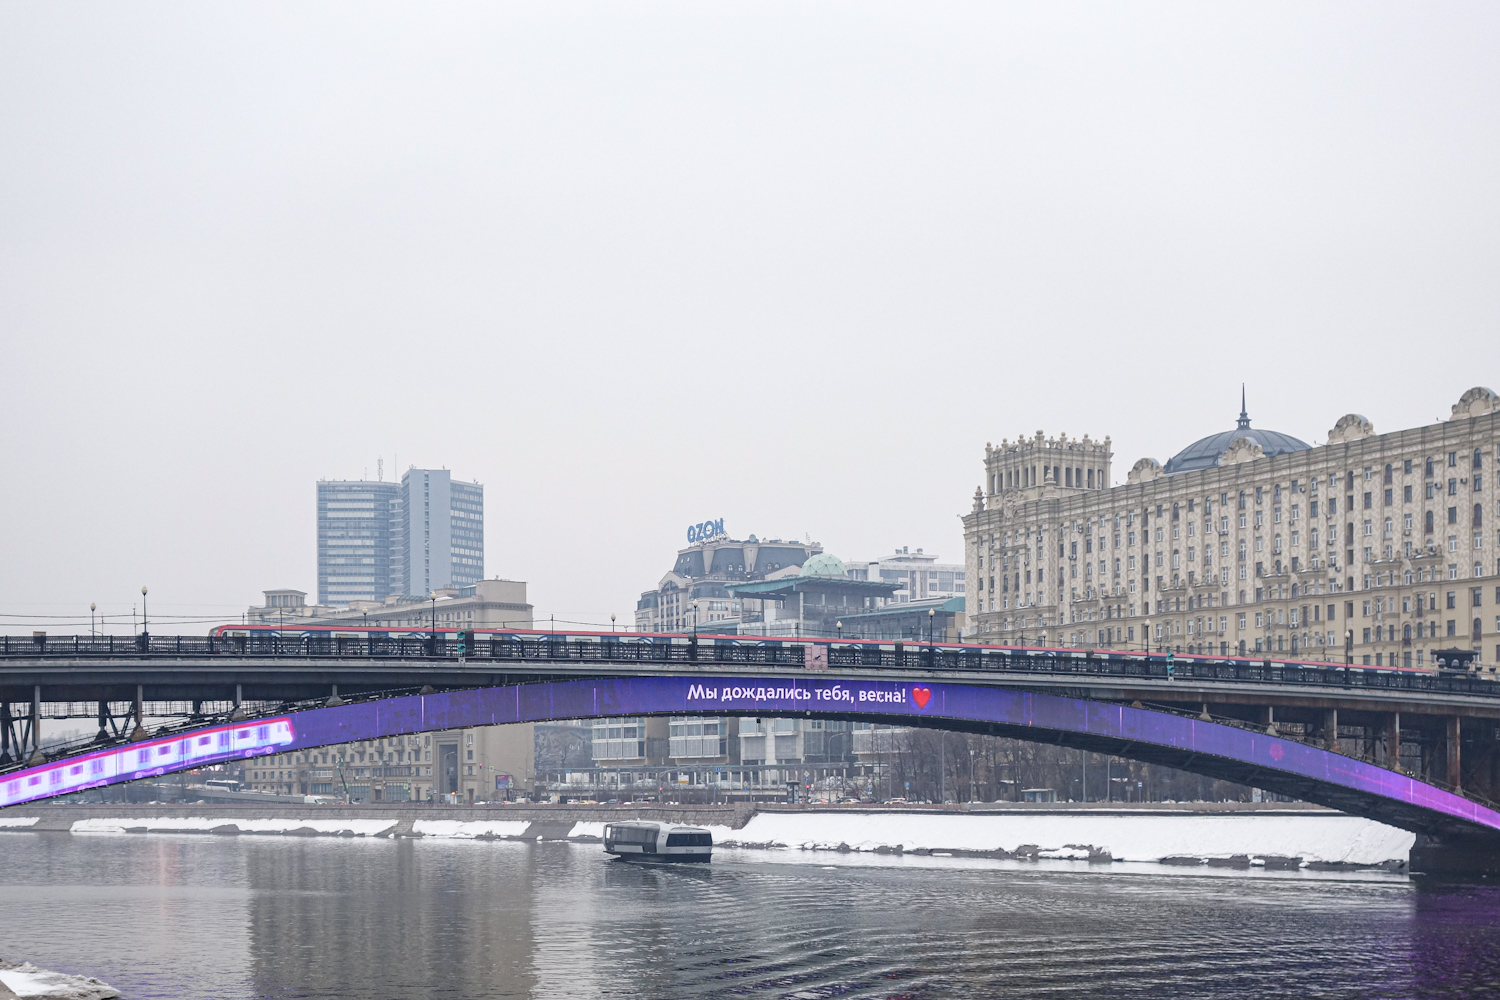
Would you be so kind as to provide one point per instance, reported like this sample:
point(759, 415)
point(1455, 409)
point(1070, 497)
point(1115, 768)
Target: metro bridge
point(1410, 748)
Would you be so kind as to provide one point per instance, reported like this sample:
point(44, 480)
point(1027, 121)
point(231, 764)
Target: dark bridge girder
point(1193, 745)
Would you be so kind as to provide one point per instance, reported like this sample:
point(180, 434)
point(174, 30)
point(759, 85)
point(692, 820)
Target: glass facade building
point(356, 521)
point(405, 539)
point(441, 532)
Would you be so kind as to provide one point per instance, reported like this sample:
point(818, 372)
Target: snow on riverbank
point(204, 824)
point(27, 981)
point(1313, 836)
point(461, 830)
point(1329, 838)
point(17, 822)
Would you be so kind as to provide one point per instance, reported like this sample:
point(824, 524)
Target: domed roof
point(823, 564)
point(1204, 453)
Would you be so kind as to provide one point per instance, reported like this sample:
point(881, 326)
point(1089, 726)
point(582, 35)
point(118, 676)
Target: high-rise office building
point(441, 532)
point(406, 539)
point(356, 521)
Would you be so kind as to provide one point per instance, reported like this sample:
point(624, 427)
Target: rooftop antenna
point(380, 470)
point(1244, 417)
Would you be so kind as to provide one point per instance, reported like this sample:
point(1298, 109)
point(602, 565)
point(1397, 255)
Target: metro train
point(147, 758)
point(313, 639)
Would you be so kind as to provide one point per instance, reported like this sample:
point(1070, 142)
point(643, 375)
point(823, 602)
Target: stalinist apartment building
point(1382, 546)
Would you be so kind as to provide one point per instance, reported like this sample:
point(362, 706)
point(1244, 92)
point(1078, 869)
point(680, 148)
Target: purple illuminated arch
point(1190, 744)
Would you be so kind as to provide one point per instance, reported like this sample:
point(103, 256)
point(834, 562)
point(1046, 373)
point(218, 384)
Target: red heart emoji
point(921, 696)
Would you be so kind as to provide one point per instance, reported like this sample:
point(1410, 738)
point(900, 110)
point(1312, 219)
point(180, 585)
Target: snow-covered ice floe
point(469, 830)
point(17, 822)
point(207, 824)
point(1319, 838)
point(27, 981)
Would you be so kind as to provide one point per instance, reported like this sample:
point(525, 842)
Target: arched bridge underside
point(1208, 748)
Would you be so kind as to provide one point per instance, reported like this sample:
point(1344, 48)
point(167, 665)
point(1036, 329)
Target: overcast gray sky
point(636, 265)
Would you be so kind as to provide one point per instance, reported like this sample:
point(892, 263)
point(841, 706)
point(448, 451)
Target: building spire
point(1244, 417)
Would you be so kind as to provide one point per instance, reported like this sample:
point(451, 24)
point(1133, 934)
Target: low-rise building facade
point(484, 764)
point(917, 575)
point(499, 604)
point(693, 595)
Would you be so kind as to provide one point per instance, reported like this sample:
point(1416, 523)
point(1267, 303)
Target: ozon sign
point(705, 531)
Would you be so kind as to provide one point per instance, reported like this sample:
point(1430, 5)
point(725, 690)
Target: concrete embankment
point(521, 822)
point(1270, 834)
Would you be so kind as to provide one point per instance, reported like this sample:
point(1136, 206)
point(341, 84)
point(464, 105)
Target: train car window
point(689, 840)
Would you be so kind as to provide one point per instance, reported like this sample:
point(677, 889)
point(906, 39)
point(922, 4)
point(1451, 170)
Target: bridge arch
point(1208, 748)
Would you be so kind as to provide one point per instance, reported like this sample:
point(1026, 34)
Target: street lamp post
point(146, 629)
point(91, 619)
point(611, 623)
point(839, 625)
point(931, 647)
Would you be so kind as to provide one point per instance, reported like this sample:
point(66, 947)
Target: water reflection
point(165, 916)
point(382, 919)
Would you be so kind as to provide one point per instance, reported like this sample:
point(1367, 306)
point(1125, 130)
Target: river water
point(185, 916)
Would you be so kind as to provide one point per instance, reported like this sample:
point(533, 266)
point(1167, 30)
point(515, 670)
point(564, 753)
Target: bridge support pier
point(1331, 729)
point(138, 713)
point(1455, 855)
point(36, 726)
point(1268, 719)
point(1455, 764)
point(1393, 741)
point(20, 736)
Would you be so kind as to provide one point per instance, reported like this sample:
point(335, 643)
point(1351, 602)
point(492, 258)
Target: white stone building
point(917, 575)
point(1248, 541)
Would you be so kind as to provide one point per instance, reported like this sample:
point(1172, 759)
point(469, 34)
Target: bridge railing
point(646, 651)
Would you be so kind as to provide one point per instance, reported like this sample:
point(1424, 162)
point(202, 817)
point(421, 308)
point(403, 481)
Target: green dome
point(823, 564)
